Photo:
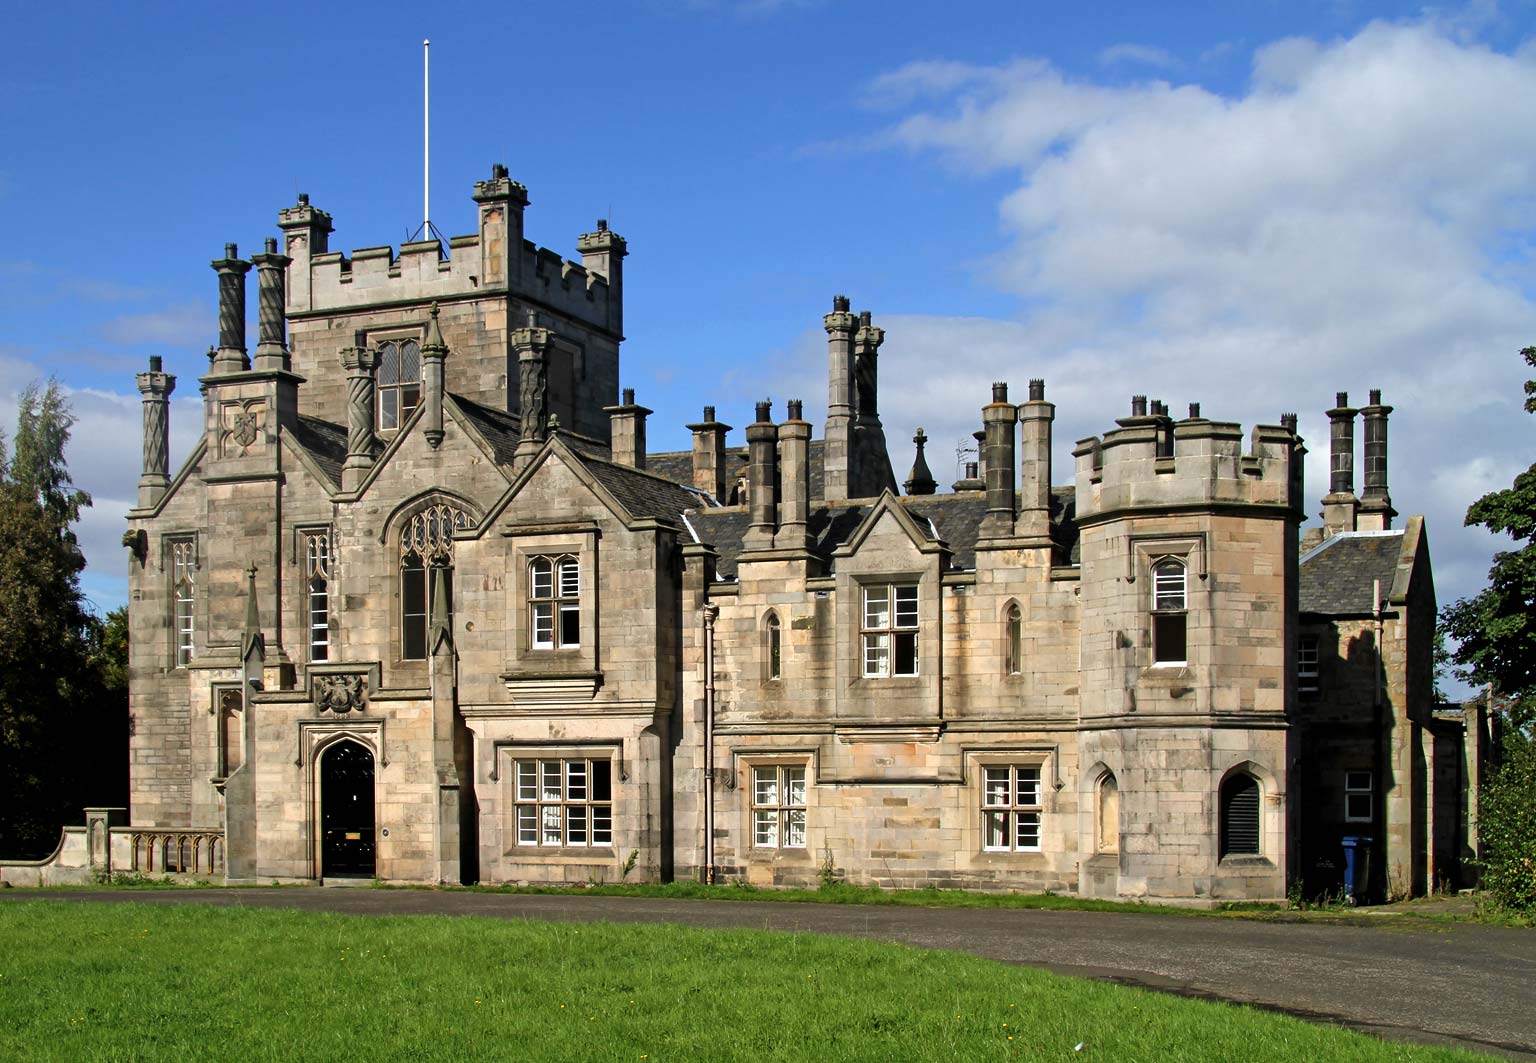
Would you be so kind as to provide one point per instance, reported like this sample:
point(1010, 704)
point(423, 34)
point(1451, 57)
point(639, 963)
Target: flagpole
point(426, 139)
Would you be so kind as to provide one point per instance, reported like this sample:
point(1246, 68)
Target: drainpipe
point(710, 612)
point(1383, 747)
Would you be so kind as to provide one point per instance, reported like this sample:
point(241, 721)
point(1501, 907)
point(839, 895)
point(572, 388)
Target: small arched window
point(775, 648)
point(1170, 612)
point(1240, 816)
point(1107, 826)
point(1013, 640)
point(399, 382)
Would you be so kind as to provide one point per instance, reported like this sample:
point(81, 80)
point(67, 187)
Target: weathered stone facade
point(386, 624)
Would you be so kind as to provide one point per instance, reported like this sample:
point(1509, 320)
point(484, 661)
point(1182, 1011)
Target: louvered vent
point(1240, 817)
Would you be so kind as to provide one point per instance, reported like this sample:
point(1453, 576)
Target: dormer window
point(399, 382)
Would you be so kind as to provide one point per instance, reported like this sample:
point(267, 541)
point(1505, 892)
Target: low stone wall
point(105, 846)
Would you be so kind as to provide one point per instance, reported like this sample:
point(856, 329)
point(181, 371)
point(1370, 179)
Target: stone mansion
point(421, 606)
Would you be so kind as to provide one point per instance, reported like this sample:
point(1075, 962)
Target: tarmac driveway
point(1463, 984)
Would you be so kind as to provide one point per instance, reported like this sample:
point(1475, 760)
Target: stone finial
point(252, 641)
point(434, 356)
point(920, 480)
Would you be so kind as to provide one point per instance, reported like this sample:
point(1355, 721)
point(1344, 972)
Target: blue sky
point(1248, 205)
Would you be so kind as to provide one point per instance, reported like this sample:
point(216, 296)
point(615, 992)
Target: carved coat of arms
point(340, 694)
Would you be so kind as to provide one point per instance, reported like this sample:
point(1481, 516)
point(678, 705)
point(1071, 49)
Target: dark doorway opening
point(346, 810)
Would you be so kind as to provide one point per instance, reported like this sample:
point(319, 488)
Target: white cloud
point(1352, 219)
point(182, 325)
point(1142, 54)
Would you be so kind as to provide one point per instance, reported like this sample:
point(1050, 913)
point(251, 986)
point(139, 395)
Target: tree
point(47, 677)
point(1495, 632)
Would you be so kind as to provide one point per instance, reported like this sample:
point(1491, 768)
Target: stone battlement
point(496, 259)
point(1153, 461)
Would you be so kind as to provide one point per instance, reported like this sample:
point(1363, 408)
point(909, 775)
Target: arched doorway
point(346, 810)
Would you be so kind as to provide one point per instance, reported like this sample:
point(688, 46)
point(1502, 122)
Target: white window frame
point(1012, 806)
point(183, 551)
point(779, 806)
point(1170, 598)
point(1308, 657)
point(318, 556)
point(889, 615)
point(554, 599)
point(1359, 788)
point(1013, 639)
point(555, 803)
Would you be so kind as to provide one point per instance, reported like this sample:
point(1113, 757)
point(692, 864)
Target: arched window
point(554, 602)
point(1013, 640)
point(1107, 825)
point(1240, 816)
point(775, 648)
point(426, 544)
point(399, 382)
point(1170, 612)
point(317, 570)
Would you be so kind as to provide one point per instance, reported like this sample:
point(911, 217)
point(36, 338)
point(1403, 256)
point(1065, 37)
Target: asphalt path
point(1460, 985)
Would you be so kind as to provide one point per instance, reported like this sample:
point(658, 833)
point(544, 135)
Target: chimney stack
point(1035, 418)
point(1340, 506)
point(271, 309)
point(870, 458)
point(709, 472)
point(763, 474)
point(837, 449)
point(795, 476)
point(531, 344)
point(627, 431)
point(1376, 510)
point(999, 416)
point(156, 387)
point(231, 353)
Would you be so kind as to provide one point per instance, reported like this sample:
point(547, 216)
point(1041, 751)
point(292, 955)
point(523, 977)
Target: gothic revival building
point(420, 606)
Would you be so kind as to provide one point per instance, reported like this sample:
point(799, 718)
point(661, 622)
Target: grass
point(87, 983)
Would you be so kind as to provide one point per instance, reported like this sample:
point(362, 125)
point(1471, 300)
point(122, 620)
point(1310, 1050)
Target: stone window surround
point(375, 339)
point(580, 542)
point(1046, 757)
point(299, 558)
point(1146, 551)
point(587, 804)
point(1013, 639)
point(863, 582)
point(1014, 812)
point(170, 544)
point(744, 767)
point(505, 754)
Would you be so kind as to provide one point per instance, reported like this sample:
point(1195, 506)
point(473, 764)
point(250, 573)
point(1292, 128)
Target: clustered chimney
point(271, 309)
point(1035, 418)
point(795, 480)
point(999, 416)
point(1376, 510)
point(763, 475)
point(1340, 506)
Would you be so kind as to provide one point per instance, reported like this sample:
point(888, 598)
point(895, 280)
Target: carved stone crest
point(245, 427)
point(341, 694)
point(242, 427)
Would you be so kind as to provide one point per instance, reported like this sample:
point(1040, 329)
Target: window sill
point(1245, 860)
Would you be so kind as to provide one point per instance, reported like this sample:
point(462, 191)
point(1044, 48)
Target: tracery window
point(554, 601)
point(399, 383)
point(184, 597)
point(1170, 612)
point(317, 587)
point(889, 630)
point(426, 546)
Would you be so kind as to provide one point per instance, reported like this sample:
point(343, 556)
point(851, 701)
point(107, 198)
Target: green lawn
point(83, 982)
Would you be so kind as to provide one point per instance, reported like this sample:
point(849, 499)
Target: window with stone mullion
point(564, 802)
point(1010, 807)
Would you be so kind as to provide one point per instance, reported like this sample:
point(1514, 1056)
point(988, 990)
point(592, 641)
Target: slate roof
point(1336, 577)
point(677, 466)
point(641, 493)
point(957, 518)
point(324, 442)
point(499, 428)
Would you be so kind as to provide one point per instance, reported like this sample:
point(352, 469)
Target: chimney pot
point(709, 414)
point(1375, 396)
point(765, 412)
point(970, 470)
point(303, 199)
point(155, 363)
point(1138, 405)
point(839, 304)
point(629, 396)
point(866, 318)
point(796, 408)
point(1194, 410)
point(1288, 421)
point(1037, 390)
point(1000, 391)
point(1341, 399)
point(231, 251)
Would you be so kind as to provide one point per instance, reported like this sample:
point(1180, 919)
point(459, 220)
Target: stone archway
point(347, 845)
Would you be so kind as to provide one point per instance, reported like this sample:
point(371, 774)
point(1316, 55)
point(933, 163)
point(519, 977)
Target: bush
point(1507, 829)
